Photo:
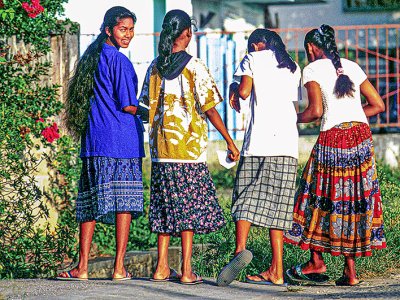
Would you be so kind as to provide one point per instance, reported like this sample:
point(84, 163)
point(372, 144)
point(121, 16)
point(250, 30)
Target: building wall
point(332, 13)
point(236, 16)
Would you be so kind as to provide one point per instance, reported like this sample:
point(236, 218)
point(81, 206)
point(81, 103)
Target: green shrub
point(29, 137)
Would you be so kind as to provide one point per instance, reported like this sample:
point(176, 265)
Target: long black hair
point(272, 41)
point(80, 86)
point(174, 23)
point(324, 38)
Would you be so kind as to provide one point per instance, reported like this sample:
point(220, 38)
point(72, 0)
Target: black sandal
point(296, 275)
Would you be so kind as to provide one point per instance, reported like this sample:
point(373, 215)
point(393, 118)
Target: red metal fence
point(376, 49)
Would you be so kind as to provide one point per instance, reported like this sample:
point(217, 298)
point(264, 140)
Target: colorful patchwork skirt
point(264, 191)
point(338, 206)
point(183, 197)
point(108, 186)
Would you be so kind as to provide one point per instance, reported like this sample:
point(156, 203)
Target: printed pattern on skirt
point(107, 186)
point(183, 197)
point(264, 191)
point(338, 207)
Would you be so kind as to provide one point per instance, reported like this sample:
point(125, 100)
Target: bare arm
point(245, 87)
point(375, 103)
point(314, 110)
point(215, 119)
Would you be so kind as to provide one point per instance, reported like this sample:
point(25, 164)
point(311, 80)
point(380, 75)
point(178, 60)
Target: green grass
point(220, 245)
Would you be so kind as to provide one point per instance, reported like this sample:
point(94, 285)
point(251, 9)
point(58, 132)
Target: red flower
point(51, 133)
point(40, 120)
point(1, 4)
point(33, 9)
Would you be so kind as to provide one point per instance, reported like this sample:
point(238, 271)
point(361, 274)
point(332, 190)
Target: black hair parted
point(272, 41)
point(174, 23)
point(81, 84)
point(324, 38)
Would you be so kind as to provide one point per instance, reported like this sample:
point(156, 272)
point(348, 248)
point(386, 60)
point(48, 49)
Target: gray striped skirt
point(264, 191)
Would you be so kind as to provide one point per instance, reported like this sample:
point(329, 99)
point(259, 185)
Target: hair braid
point(343, 86)
point(174, 23)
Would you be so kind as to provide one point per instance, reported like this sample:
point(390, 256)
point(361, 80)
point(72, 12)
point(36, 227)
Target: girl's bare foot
point(74, 273)
point(267, 276)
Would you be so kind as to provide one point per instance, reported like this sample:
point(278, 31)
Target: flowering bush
point(51, 133)
point(29, 107)
point(33, 9)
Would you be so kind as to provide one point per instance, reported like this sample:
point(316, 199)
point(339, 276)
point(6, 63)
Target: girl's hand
point(234, 100)
point(234, 153)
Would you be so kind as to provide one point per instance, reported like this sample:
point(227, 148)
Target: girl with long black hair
point(263, 194)
point(102, 110)
point(182, 95)
point(338, 206)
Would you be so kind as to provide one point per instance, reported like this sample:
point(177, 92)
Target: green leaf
point(2, 59)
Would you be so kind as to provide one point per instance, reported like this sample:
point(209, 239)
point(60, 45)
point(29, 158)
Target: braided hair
point(174, 23)
point(81, 84)
point(324, 38)
point(272, 41)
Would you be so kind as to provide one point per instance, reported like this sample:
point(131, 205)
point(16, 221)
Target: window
point(371, 5)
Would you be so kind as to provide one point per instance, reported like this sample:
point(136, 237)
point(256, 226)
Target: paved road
point(142, 288)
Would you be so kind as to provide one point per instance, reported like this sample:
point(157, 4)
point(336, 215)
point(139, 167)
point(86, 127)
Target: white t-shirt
point(337, 110)
point(271, 128)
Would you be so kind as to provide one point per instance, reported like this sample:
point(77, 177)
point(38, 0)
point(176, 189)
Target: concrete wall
point(332, 13)
point(236, 16)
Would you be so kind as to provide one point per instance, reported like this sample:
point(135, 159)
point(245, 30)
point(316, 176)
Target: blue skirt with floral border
point(108, 186)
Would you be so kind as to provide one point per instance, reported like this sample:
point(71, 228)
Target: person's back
point(337, 110)
point(274, 91)
point(111, 132)
point(179, 129)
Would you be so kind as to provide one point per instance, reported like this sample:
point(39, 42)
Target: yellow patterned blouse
point(178, 126)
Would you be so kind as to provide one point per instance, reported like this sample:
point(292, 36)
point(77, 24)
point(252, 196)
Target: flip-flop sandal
point(128, 276)
point(198, 280)
point(70, 277)
point(173, 276)
point(296, 275)
point(234, 267)
point(263, 281)
point(344, 281)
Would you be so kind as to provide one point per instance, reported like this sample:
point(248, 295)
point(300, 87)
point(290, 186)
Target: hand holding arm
point(375, 103)
point(314, 110)
point(215, 119)
point(130, 109)
point(234, 100)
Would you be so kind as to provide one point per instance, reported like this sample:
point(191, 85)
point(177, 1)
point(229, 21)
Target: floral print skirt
point(108, 186)
point(183, 197)
point(338, 206)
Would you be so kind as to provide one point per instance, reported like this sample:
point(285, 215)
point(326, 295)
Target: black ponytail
point(80, 86)
point(174, 23)
point(324, 38)
point(272, 41)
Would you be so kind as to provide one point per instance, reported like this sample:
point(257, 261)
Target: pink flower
point(33, 9)
point(40, 120)
point(51, 133)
